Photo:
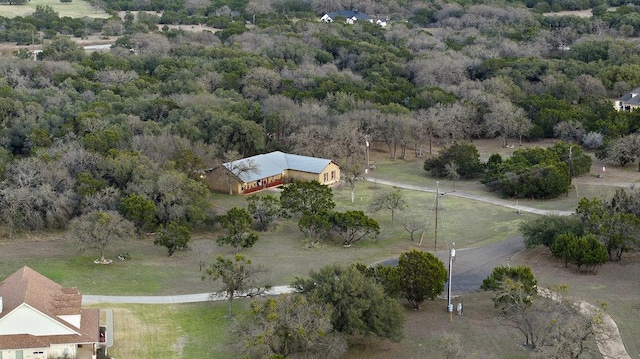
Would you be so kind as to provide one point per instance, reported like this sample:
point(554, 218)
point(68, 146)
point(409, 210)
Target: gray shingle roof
point(632, 97)
point(271, 164)
point(350, 14)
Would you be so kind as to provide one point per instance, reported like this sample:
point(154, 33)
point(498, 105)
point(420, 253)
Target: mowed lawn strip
point(74, 9)
point(198, 330)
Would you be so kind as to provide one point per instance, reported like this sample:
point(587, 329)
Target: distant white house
point(629, 101)
point(352, 16)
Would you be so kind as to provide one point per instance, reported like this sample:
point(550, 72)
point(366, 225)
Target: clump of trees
point(458, 160)
point(313, 202)
point(536, 172)
point(601, 230)
point(358, 304)
point(418, 276)
point(552, 325)
point(288, 326)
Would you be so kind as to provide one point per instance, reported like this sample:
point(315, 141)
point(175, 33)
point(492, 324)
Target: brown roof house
point(268, 170)
point(39, 319)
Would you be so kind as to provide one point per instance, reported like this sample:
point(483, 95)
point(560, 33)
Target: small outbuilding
point(256, 173)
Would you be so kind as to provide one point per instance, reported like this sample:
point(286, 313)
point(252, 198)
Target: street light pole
point(452, 256)
point(367, 150)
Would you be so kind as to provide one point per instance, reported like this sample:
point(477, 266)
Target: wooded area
point(82, 132)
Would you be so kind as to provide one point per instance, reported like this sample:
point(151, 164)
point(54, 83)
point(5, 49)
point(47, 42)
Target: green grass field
point(196, 330)
point(74, 9)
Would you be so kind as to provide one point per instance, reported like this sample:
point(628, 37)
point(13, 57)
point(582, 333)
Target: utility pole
point(435, 235)
point(452, 257)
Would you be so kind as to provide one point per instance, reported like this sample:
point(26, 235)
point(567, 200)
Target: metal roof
point(274, 163)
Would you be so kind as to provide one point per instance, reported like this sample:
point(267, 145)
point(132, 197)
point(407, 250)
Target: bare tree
point(412, 224)
point(236, 167)
point(392, 200)
point(504, 119)
point(97, 230)
point(239, 277)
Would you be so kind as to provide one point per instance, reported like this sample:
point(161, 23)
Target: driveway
point(472, 265)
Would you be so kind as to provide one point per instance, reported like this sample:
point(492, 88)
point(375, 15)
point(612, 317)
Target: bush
point(464, 156)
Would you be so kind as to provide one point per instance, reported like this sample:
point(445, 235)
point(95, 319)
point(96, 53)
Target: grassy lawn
point(201, 330)
point(75, 9)
point(171, 331)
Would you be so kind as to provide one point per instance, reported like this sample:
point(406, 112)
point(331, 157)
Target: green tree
point(239, 277)
point(589, 252)
point(562, 247)
point(514, 290)
point(315, 226)
point(174, 237)
point(353, 226)
point(421, 275)
point(238, 223)
point(612, 223)
point(501, 280)
point(391, 200)
point(97, 230)
point(265, 211)
point(359, 305)
point(288, 326)
point(306, 197)
point(543, 230)
point(139, 210)
point(530, 173)
point(465, 156)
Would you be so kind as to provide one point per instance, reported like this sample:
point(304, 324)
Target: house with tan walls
point(256, 173)
point(40, 319)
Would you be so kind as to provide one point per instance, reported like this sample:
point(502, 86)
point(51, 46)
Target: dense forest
point(128, 129)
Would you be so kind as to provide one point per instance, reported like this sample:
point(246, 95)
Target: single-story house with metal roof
point(629, 101)
point(269, 170)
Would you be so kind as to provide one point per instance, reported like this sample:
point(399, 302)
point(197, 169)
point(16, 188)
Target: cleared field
point(75, 9)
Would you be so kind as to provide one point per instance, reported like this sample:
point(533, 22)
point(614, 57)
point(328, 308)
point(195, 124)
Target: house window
point(19, 354)
point(333, 175)
point(326, 177)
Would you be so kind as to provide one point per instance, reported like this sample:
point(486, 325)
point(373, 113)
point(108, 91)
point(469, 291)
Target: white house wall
point(72, 319)
point(27, 320)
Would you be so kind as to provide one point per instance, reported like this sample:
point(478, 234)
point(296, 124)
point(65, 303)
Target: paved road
point(170, 299)
point(496, 201)
point(472, 265)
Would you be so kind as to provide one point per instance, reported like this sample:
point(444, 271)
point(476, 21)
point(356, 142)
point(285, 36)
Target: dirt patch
point(579, 13)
